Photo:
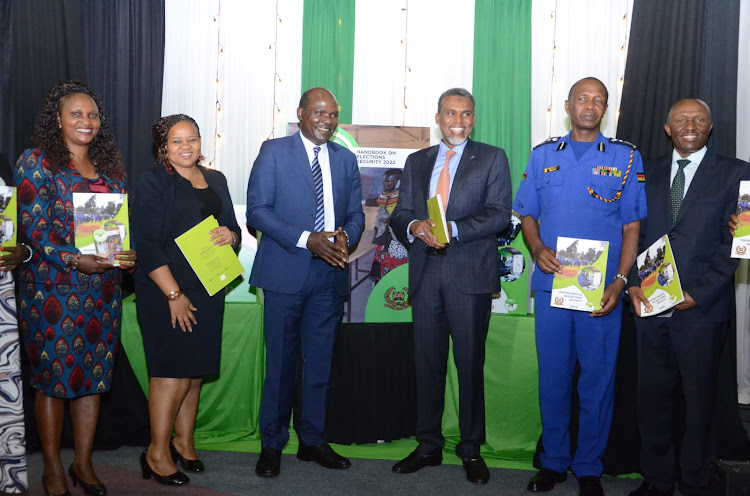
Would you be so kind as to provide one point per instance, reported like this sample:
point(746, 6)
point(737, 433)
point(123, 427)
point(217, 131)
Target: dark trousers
point(677, 356)
point(310, 318)
point(440, 310)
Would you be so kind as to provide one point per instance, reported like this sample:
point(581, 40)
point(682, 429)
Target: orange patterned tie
point(444, 180)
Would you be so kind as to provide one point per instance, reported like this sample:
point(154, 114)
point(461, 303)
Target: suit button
point(312, 216)
point(671, 237)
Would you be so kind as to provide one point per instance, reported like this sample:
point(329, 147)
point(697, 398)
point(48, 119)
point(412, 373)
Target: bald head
point(684, 101)
point(589, 79)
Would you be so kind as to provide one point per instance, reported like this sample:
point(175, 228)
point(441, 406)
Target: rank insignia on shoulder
point(551, 169)
point(525, 175)
point(641, 178)
point(600, 147)
point(554, 139)
point(622, 142)
point(606, 170)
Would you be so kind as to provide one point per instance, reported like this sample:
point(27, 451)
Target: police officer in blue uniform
point(587, 186)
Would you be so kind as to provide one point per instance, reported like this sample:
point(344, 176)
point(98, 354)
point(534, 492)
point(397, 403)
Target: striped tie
point(320, 220)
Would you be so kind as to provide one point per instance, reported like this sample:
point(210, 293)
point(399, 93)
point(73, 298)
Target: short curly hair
point(160, 131)
point(103, 151)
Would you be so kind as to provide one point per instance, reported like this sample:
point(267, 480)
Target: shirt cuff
point(455, 229)
point(302, 242)
point(409, 236)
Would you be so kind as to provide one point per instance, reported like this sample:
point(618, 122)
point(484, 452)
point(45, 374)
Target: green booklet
point(101, 224)
point(437, 214)
point(8, 216)
point(741, 241)
point(215, 266)
point(660, 281)
point(580, 286)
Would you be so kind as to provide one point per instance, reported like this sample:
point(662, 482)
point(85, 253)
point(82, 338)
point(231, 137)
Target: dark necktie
point(320, 219)
point(678, 188)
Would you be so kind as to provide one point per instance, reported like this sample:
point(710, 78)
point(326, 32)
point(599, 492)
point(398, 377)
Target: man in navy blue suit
point(691, 194)
point(451, 285)
point(304, 196)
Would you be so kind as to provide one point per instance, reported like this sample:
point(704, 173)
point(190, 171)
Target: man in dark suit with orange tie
point(451, 285)
point(304, 196)
point(691, 194)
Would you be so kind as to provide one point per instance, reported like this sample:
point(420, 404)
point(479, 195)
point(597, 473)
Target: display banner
point(378, 293)
point(514, 270)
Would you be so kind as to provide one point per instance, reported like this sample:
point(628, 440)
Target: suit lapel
point(427, 165)
point(336, 172)
point(468, 159)
point(706, 170)
point(301, 161)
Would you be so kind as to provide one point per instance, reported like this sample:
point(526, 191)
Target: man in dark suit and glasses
point(691, 194)
point(451, 285)
point(304, 196)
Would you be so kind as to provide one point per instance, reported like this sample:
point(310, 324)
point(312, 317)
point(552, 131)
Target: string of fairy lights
point(276, 76)
point(407, 69)
point(621, 57)
point(217, 91)
point(553, 76)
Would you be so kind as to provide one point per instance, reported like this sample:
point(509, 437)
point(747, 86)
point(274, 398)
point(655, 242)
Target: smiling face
point(183, 145)
point(586, 105)
point(78, 118)
point(456, 119)
point(689, 125)
point(319, 120)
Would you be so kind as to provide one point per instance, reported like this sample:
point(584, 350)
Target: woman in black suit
point(180, 322)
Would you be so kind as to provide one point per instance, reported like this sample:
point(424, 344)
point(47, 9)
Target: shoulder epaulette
point(622, 142)
point(554, 139)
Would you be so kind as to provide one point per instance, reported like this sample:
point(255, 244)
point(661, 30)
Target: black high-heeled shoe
point(89, 489)
point(47, 493)
point(175, 479)
point(189, 465)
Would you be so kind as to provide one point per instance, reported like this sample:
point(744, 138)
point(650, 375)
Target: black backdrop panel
point(680, 50)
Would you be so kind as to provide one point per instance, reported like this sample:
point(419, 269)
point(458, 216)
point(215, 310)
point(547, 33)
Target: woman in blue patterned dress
point(69, 313)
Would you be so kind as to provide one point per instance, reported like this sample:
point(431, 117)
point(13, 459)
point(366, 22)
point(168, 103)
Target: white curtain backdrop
point(743, 151)
point(588, 41)
point(246, 73)
point(384, 43)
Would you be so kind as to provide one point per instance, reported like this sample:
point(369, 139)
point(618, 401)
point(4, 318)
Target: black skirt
point(170, 352)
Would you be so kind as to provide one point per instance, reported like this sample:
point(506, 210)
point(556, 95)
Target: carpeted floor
point(233, 473)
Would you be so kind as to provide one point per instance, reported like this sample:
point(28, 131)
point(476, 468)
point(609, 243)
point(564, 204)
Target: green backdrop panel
point(328, 50)
point(229, 404)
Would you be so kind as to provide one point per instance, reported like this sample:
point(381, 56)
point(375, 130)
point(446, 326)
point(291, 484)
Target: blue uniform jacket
point(555, 191)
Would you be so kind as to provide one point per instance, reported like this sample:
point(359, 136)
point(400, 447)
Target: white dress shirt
point(690, 169)
point(325, 169)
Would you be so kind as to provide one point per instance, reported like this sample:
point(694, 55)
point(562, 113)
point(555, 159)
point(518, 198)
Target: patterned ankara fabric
point(69, 321)
point(13, 476)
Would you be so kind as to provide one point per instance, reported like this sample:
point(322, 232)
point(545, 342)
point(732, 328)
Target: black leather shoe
point(476, 470)
point(648, 489)
point(175, 479)
point(323, 455)
point(417, 460)
point(269, 463)
point(545, 480)
point(189, 465)
point(47, 493)
point(590, 485)
point(89, 489)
